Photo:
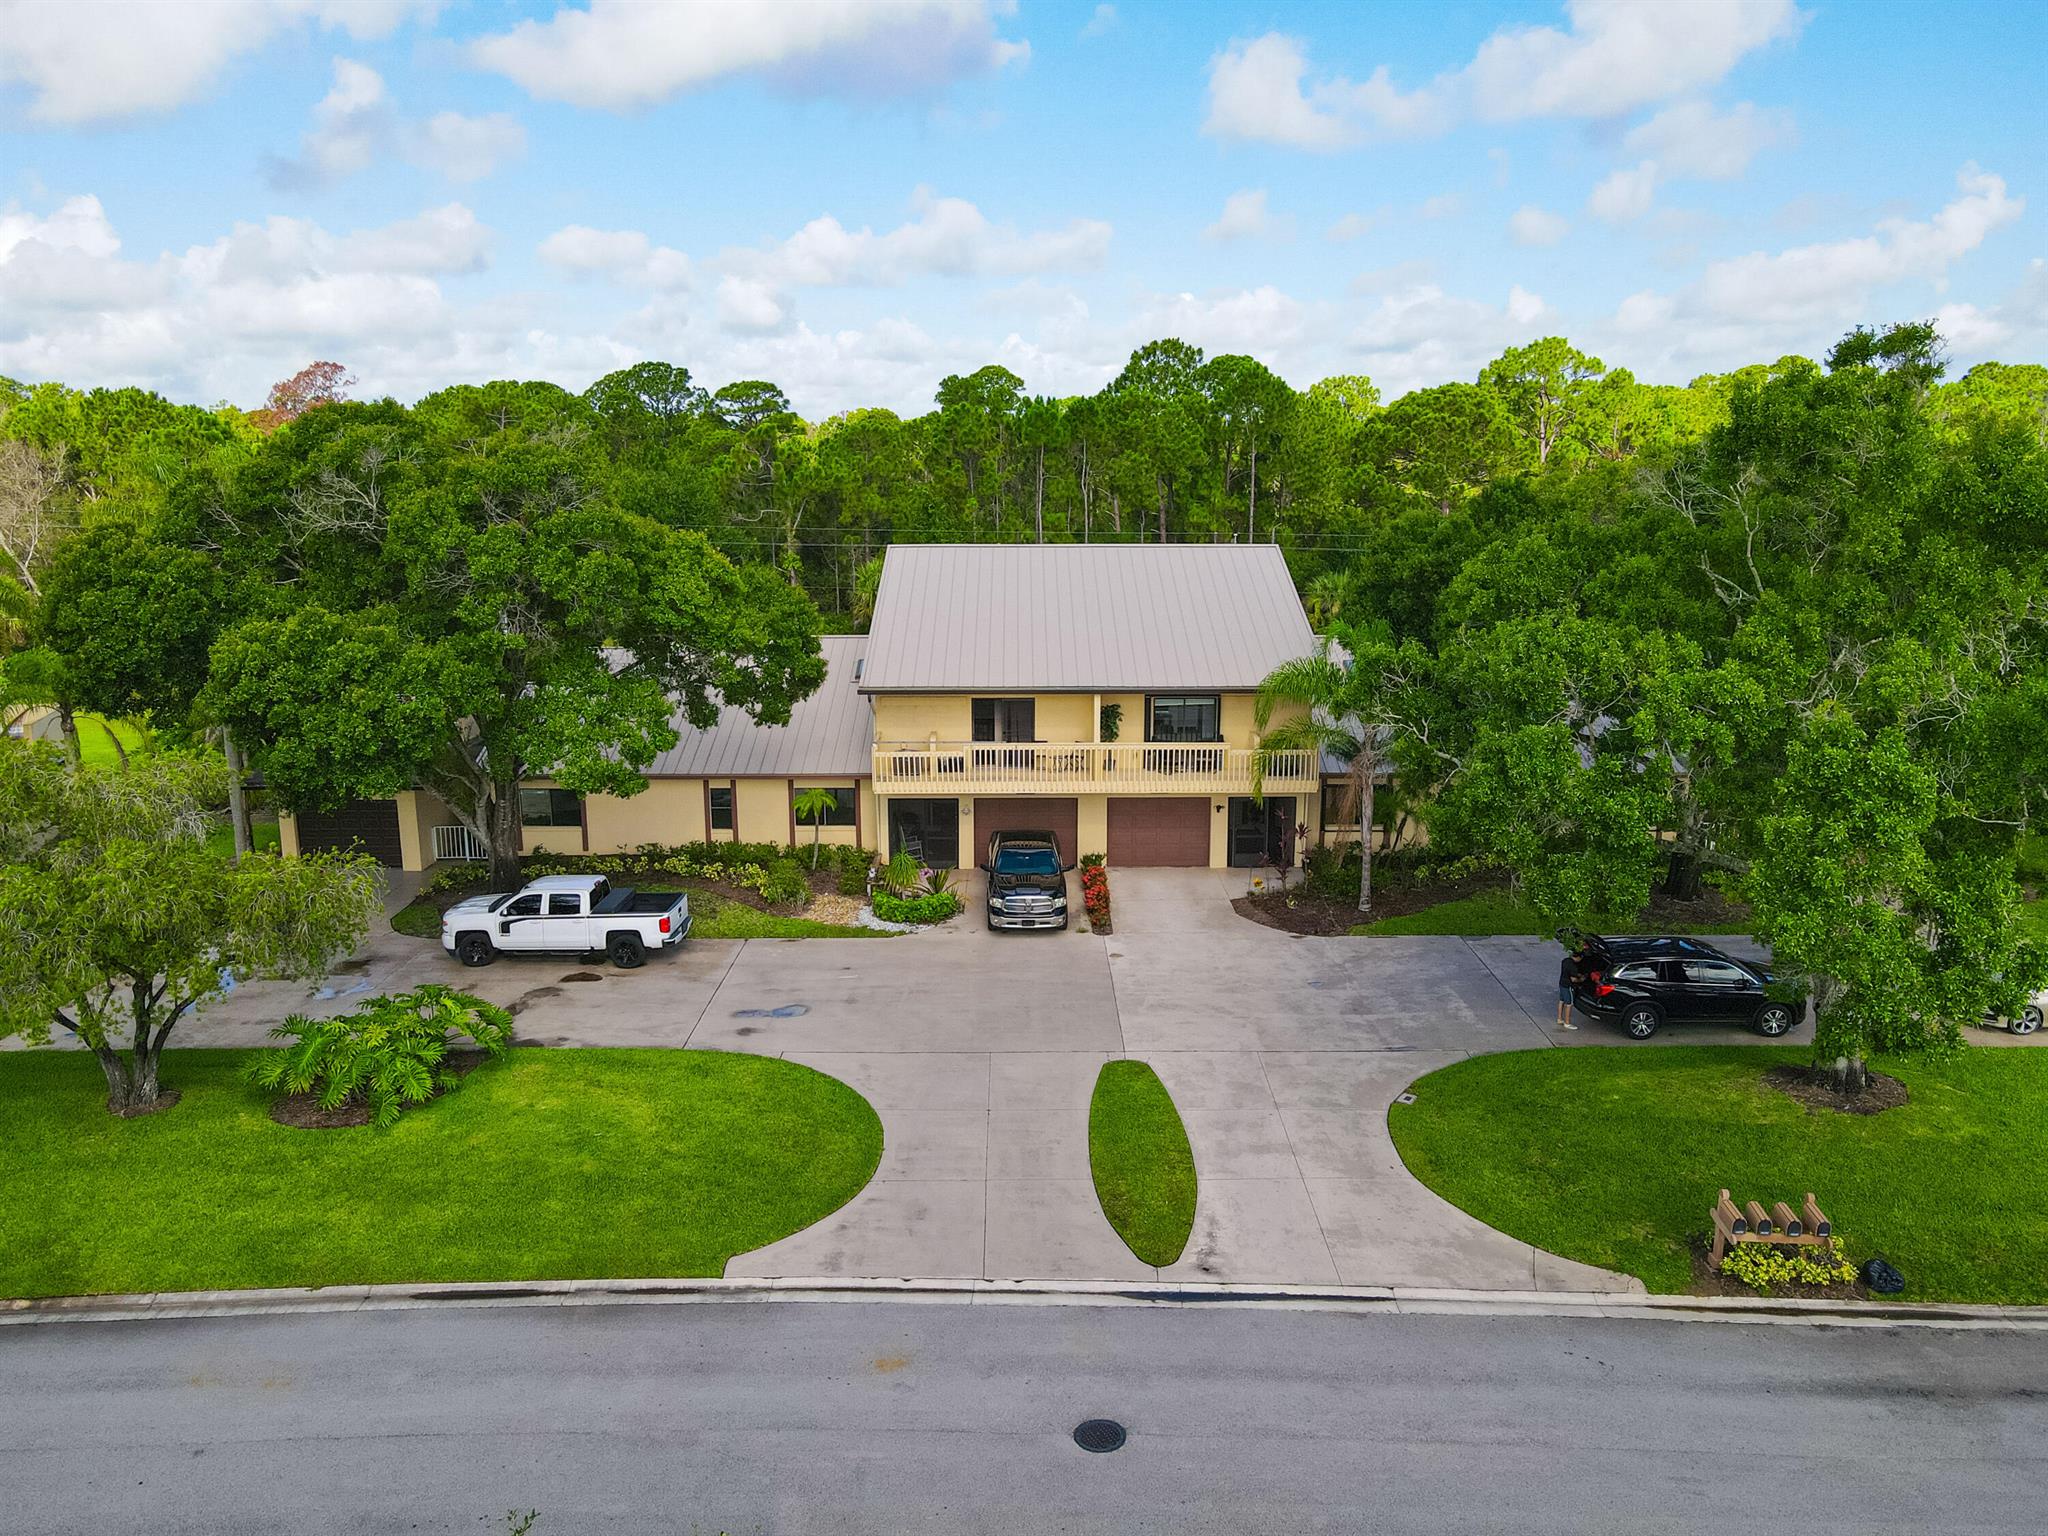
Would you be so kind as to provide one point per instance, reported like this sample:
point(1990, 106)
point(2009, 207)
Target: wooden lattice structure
point(1751, 1223)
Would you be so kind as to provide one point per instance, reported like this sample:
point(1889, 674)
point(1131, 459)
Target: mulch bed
point(1708, 1281)
point(1303, 911)
point(302, 1111)
point(166, 1097)
point(1814, 1087)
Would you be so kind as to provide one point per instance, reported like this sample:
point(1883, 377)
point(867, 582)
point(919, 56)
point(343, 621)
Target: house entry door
point(1261, 834)
point(928, 829)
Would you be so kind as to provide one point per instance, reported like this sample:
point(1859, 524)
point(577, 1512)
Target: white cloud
point(463, 148)
point(92, 60)
point(1765, 303)
point(1445, 205)
point(1353, 226)
point(748, 304)
point(1692, 139)
point(949, 236)
point(1615, 57)
point(1419, 335)
point(1530, 225)
point(1244, 217)
point(1256, 94)
point(351, 123)
point(620, 54)
point(1625, 195)
point(225, 318)
point(1102, 21)
point(623, 255)
point(356, 124)
point(1620, 55)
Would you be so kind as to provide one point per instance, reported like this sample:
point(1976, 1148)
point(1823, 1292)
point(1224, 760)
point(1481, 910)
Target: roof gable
point(1080, 617)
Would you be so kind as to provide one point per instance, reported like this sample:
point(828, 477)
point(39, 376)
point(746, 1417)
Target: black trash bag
point(1880, 1277)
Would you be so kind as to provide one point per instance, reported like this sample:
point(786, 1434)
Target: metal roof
point(1074, 617)
point(830, 733)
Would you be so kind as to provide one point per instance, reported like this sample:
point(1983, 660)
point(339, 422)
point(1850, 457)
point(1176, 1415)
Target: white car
point(566, 915)
point(2030, 1016)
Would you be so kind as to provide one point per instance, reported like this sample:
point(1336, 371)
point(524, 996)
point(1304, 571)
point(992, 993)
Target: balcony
point(1082, 768)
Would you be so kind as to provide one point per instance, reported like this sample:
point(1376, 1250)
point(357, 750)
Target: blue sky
point(857, 197)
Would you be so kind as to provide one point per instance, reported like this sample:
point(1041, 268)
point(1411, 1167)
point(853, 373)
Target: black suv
point(1027, 883)
point(1644, 982)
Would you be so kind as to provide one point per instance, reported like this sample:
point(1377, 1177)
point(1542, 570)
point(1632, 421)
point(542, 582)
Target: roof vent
point(858, 663)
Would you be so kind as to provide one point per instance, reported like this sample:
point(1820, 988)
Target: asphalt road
point(910, 1417)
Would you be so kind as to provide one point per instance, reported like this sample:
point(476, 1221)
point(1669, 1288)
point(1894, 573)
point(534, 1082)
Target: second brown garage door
point(1159, 830)
point(1047, 813)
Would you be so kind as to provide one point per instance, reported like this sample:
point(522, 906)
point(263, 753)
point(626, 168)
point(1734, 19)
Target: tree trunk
point(1251, 524)
point(1365, 796)
point(120, 1094)
point(238, 800)
point(502, 817)
point(1038, 497)
point(67, 730)
point(1682, 876)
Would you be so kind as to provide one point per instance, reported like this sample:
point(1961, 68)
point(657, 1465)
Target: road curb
point(1407, 1300)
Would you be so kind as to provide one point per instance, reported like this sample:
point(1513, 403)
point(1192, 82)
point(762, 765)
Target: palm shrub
point(388, 1053)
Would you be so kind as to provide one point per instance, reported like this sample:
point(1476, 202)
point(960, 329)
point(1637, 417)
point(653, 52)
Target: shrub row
point(931, 907)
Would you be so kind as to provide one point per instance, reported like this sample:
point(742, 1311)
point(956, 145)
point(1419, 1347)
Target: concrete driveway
point(980, 1052)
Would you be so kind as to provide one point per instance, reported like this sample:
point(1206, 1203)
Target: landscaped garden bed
point(547, 1165)
point(1411, 896)
point(1614, 1157)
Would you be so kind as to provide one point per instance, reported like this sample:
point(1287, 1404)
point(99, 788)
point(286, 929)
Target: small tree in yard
point(814, 805)
point(117, 919)
point(1321, 686)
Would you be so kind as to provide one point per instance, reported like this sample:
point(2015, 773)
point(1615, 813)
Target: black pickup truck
point(1027, 882)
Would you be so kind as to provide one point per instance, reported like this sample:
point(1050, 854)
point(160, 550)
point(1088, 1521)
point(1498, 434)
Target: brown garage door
point(1159, 830)
point(368, 825)
point(1035, 813)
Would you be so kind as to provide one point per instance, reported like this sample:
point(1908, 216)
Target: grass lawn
point(1498, 912)
point(262, 833)
point(1612, 1156)
point(1144, 1169)
point(96, 736)
point(2035, 915)
point(551, 1165)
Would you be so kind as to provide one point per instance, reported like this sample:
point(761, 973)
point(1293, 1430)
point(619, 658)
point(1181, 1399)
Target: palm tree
point(1324, 599)
point(813, 805)
point(1328, 726)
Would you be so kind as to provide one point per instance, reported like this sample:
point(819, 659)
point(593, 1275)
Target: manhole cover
point(1100, 1435)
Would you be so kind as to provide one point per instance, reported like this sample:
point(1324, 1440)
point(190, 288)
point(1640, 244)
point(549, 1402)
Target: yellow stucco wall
point(1091, 824)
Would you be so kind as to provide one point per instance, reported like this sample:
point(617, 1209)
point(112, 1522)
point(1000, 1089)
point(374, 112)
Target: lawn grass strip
point(1143, 1167)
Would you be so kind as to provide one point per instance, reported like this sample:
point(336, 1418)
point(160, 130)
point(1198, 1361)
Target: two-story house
point(1105, 692)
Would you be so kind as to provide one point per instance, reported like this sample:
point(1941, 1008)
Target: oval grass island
point(552, 1165)
point(1143, 1166)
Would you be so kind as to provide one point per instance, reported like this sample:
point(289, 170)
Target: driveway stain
point(889, 1365)
point(786, 1011)
point(528, 998)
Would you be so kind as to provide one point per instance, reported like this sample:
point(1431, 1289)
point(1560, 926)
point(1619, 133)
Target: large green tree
point(118, 917)
point(451, 597)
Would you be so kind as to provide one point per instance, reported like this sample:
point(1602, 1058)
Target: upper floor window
point(840, 815)
point(550, 808)
point(1184, 717)
point(1006, 719)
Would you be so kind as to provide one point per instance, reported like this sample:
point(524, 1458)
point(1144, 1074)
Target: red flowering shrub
point(1095, 891)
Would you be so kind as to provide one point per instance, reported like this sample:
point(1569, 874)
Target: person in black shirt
point(1571, 970)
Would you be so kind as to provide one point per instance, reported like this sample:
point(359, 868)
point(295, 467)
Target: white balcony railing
point(984, 767)
point(459, 845)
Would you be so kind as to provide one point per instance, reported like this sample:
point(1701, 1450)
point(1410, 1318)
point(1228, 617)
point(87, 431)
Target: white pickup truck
point(566, 915)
